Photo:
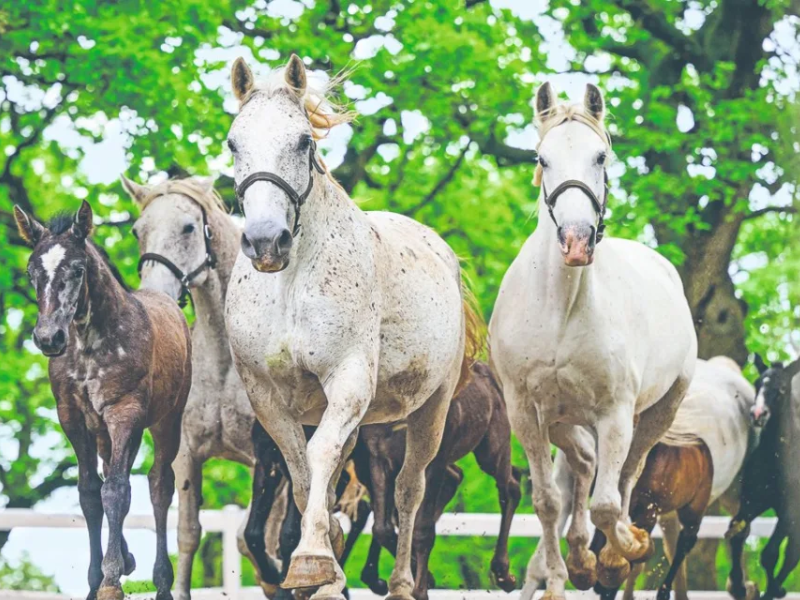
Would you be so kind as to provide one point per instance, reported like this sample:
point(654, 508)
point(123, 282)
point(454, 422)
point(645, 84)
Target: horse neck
point(566, 286)
point(104, 301)
point(209, 334)
point(327, 211)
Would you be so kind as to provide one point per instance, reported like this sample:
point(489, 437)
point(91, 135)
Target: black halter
point(296, 199)
point(599, 207)
point(185, 279)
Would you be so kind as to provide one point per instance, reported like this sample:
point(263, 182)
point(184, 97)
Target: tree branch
point(448, 177)
point(770, 209)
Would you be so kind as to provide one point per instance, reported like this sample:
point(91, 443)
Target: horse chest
point(91, 393)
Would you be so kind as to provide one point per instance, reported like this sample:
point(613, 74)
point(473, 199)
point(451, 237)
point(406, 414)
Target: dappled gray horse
point(189, 244)
point(336, 317)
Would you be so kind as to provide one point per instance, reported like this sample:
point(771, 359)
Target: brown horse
point(120, 362)
point(477, 422)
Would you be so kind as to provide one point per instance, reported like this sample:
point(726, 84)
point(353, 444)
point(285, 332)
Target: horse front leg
point(536, 573)
point(546, 496)
point(89, 486)
point(614, 435)
point(423, 437)
point(125, 428)
point(166, 440)
point(578, 447)
point(349, 391)
point(189, 475)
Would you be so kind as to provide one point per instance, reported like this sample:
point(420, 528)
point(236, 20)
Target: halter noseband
point(599, 207)
point(185, 279)
point(296, 199)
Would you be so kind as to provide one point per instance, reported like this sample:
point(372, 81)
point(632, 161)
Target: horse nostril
point(59, 338)
point(561, 237)
point(283, 243)
point(247, 247)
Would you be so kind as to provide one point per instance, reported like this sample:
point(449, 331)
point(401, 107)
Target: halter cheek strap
point(185, 279)
point(296, 199)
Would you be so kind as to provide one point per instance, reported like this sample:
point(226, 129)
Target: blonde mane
point(560, 114)
point(207, 198)
point(323, 111)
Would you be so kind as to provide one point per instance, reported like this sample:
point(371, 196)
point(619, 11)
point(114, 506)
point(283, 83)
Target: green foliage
point(470, 69)
point(24, 575)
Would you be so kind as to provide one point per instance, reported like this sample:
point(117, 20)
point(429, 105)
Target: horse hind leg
point(493, 455)
point(423, 438)
point(166, 440)
point(188, 474)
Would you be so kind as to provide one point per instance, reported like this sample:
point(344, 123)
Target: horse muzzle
point(268, 250)
point(52, 341)
point(577, 241)
point(759, 416)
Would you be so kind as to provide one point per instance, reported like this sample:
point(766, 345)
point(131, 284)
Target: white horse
point(715, 412)
point(598, 338)
point(336, 318)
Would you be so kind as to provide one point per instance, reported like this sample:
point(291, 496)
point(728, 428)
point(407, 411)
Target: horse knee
point(606, 512)
point(547, 503)
point(116, 495)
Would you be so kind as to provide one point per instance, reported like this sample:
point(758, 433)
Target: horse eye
point(77, 272)
point(601, 158)
point(305, 142)
point(543, 162)
point(188, 228)
point(231, 146)
point(135, 233)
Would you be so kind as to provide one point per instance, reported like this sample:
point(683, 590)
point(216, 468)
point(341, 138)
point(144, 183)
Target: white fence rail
point(228, 520)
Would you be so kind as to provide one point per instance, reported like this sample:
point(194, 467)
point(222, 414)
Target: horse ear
point(593, 102)
point(792, 369)
point(759, 363)
point(241, 79)
point(137, 192)
point(545, 98)
point(295, 75)
point(29, 229)
point(82, 225)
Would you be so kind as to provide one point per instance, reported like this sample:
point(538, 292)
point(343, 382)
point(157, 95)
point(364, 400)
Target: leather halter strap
point(185, 279)
point(599, 207)
point(295, 198)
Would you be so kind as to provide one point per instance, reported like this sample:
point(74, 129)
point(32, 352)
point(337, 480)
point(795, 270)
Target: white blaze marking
point(51, 259)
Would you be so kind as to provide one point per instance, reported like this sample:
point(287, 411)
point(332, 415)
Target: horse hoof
point(548, 595)
point(110, 593)
point(399, 596)
point(642, 545)
point(130, 564)
point(309, 571)
point(663, 594)
point(612, 569)
point(505, 581)
point(582, 569)
point(269, 589)
point(781, 593)
point(379, 587)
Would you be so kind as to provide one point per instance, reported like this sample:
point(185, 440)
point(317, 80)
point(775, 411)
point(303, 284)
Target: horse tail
point(475, 335)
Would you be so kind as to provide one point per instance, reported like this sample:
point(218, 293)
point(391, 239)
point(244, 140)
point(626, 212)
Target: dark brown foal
point(477, 422)
point(120, 362)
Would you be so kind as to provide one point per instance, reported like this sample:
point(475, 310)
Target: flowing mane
point(323, 112)
point(190, 187)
